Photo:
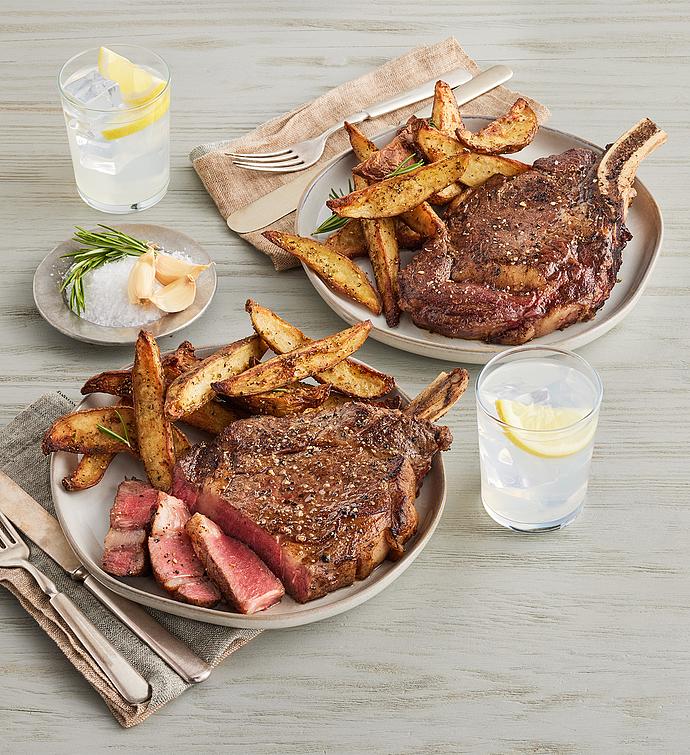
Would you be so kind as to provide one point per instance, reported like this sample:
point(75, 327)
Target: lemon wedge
point(540, 430)
point(138, 87)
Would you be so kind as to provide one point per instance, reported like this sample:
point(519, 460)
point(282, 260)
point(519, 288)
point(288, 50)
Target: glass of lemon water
point(537, 411)
point(116, 104)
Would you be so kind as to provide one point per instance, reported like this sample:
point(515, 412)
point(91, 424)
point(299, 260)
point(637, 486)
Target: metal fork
point(15, 553)
point(304, 154)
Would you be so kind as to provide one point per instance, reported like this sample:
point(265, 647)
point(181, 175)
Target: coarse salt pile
point(106, 300)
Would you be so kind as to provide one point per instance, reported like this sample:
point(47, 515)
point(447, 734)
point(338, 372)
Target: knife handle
point(173, 651)
point(122, 675)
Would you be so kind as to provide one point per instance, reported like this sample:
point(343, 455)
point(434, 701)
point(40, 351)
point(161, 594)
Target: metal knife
point(284, 200)
point(44, 530)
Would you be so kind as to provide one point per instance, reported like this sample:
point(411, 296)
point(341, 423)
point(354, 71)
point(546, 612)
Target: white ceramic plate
point(53, 307)
point(84, 519)
point(639, 257)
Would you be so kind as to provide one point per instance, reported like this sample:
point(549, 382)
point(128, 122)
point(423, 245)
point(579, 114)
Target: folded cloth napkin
point(231, 187)
point(22, 460)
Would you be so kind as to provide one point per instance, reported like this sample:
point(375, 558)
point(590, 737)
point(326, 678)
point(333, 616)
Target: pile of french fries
point(210, 393)
point(397, 212)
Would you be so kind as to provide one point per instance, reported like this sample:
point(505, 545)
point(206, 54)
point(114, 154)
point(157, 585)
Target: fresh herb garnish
point(99, 247)
point(124, 438)
point(406, 166)
point(335, 221)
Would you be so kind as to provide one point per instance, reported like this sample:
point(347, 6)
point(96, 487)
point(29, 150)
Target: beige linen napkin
point(22, 460)
point(231, 187)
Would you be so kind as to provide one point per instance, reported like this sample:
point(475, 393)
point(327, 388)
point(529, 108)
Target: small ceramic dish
point(52, 305)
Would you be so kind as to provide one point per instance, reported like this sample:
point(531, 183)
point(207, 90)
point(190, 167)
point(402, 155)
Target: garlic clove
point(141, 278)
point(176, 296)
point(170, 268)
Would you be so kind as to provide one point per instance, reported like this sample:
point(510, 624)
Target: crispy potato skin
point(154, 432)
point(385, 260)
point(281, 402)
point(399, 194)
point(407, 237)
point(337, 271)
point(192, 389)
point(349, 377)
point(511, 132)
point(438, 397)
point(361, 145)
point(303, 362)
point(444, 111)
point(78, 432)
point(88, 472)
point(348, 240)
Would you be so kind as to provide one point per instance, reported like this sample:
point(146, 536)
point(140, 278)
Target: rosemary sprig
point(335, 221)
point(116, 436)
point(98, 248)
point(406, 166)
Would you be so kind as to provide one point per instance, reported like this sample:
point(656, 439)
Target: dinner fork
point(15, 553)
point(304, 154)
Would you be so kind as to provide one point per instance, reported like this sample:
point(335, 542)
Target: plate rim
point(65, 321)
point(308, 615)
point(478, 352)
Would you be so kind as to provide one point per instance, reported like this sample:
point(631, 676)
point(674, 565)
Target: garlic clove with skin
point(141, 278)
point(168, 268)
point(176, 296)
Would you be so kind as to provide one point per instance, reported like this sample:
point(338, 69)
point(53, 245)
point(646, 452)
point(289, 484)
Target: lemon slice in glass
point(543, 430)
point(137, 87)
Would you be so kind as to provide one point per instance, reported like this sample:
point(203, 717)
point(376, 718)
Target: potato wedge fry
point(88, 472)
point(361, 145)
point(445, 112)
point(79, 433)
point(423, 220)
point(385, 261)
point(396, 195)
point(438, 397)
point(281, 402)
point(407, 237)
point(154, 432)
point(510, 133)
point(192, 389)
point(455, 203)
point(113, 382)
point(348, 240)
point(296, 365)
point(349, 377)
point(338, 272)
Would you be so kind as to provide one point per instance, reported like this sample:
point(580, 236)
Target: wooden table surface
point(492, 642)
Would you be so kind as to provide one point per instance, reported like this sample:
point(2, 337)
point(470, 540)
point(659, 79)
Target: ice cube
point(95, 91)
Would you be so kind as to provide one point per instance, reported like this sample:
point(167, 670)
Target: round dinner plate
point(84, 517)
point(639, 257)
point(53, 308)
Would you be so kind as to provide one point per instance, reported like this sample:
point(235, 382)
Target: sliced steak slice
point(321, 497)
point(175, 565)
point(243, 578)
point(124, 552)
point(382, 163)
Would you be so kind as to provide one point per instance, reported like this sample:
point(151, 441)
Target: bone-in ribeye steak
point(528, 254)
point(321, 497)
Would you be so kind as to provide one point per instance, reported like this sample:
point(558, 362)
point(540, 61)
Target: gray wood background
point(492, 642)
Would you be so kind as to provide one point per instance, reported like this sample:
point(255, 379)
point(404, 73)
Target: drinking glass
point(537, 412)
point(120, 152)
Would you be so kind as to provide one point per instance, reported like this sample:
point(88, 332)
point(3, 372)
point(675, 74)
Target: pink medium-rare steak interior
point(321, 497)
point(175, 564)
point(243, 578)
point(124, 551)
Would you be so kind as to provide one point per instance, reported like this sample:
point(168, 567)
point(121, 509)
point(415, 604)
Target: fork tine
point(9, 534)
point(269, 161)
point(285, 168)
point(259, 155)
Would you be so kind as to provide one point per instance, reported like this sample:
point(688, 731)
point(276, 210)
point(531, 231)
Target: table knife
point(44, 530)
point(284, 200)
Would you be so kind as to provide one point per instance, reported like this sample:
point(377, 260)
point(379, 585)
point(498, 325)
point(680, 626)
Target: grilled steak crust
point(522, 256)
point(321, 497)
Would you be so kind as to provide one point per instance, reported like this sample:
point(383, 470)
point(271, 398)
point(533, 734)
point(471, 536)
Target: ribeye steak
point(528, 254)
point(321, 497)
